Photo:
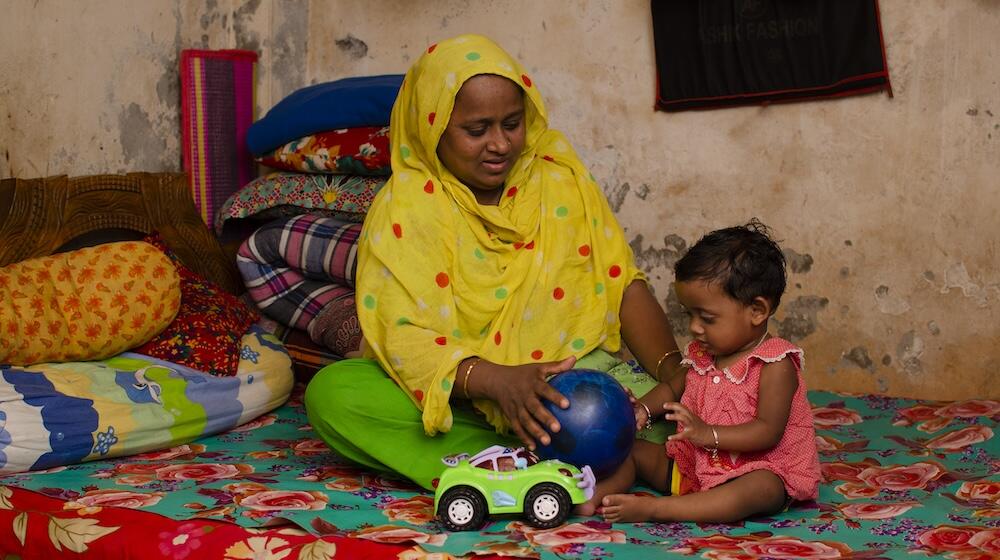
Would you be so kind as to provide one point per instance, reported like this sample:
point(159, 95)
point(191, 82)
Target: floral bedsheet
point(902, 477)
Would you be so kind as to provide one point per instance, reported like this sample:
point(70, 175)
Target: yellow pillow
point(87, 304)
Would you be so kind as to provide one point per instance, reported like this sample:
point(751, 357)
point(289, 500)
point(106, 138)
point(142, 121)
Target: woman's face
point(485, 135)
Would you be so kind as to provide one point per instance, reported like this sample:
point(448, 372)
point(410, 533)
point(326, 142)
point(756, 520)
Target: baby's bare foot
point(628, 508)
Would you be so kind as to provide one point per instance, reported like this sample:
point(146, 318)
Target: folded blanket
point(356, 151)
point(285, 194)
point(300, 272)
point(336, 327)
point(346, 103)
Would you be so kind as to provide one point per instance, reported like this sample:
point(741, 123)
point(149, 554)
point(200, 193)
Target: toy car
point(500, 480)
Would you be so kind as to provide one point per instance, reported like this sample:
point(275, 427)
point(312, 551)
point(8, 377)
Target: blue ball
point(598, 428)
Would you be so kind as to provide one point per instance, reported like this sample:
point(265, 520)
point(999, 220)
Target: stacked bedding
point(327, 150)
point(327, 147)
point(118, 349)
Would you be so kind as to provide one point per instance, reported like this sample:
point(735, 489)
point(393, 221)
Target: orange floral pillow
point(87, 304)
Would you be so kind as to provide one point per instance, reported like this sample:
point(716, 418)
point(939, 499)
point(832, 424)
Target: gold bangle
point(715, 450)
point(649, 416)
point(656, 372)
point(468, 372)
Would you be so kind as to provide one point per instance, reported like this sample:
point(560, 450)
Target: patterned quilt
point(62, 413)
point(902, 477)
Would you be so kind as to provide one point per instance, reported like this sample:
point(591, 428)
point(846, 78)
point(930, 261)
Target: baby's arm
point(778, 383)
point(653, 402)
point(669, 389)
point(647, 334)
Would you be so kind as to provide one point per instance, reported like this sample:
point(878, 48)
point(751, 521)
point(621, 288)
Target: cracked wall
point(96, 89)
point(885, 207)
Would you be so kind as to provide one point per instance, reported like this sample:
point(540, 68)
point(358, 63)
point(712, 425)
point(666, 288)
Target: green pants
point(362, 414)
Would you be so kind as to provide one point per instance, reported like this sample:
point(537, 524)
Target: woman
point(489, 262)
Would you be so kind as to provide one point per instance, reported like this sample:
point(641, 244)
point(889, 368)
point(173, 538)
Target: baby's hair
point(744, 260)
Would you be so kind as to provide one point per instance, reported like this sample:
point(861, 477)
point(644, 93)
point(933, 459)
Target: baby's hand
point(642, 419)
point(689, 425)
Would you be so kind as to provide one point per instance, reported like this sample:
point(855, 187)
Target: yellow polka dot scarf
point(538, 277)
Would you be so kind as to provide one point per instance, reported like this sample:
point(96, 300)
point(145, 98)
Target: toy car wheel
point(462, 509)
point(547, 505)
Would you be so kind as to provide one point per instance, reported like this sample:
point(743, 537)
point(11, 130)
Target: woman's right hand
point(520, 390)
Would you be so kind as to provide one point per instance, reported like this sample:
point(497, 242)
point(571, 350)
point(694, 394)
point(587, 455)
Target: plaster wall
point(886, 207)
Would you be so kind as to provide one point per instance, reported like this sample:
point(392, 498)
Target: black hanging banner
point(722, 53)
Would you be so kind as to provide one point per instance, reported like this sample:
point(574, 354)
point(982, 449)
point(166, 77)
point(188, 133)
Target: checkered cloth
point(295, 268)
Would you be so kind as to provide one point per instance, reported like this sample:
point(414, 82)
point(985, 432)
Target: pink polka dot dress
point(728, 397)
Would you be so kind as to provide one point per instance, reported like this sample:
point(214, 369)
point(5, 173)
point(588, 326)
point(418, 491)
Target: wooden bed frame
point(41, 216)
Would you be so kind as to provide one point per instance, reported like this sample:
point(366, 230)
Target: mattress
point(63, 413)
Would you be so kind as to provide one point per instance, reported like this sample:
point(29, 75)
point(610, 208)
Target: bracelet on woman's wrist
point(468, 372)
point(656, 370)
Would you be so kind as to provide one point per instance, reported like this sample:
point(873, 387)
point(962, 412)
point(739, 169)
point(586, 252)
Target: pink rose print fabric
point(900, 479)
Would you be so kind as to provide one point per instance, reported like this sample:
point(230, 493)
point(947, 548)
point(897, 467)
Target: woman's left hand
point(689, 425)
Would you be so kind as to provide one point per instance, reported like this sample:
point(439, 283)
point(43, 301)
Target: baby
point(745, 443)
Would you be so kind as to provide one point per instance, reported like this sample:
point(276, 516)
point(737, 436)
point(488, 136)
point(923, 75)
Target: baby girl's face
point(722, 324)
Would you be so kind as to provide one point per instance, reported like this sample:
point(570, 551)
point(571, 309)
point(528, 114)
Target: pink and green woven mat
point(217, 108)
point(902, 477)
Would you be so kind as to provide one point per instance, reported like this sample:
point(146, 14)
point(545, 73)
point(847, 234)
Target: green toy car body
point(501, 480)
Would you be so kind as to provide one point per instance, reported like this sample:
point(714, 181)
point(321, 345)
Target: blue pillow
point(346, 103)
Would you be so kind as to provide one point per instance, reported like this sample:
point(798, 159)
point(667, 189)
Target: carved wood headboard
point(38, 216)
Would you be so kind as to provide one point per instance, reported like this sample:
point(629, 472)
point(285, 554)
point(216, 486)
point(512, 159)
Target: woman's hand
point(520, 390)
point(689, 425)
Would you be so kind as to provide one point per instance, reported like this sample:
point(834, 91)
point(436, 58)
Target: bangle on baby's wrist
point(715, 449)
point(649, 416)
